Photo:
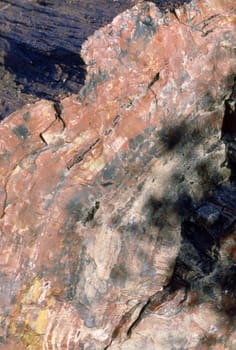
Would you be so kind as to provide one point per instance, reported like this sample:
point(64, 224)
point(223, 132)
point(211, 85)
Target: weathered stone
point(40, 43)
point(94, 190)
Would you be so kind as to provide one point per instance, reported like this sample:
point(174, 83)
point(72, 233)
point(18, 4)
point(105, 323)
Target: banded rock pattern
point(94, 188)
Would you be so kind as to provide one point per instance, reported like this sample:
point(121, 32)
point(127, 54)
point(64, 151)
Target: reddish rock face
point(94, 190)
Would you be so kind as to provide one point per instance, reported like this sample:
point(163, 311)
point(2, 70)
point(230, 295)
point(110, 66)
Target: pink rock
point(90, 200)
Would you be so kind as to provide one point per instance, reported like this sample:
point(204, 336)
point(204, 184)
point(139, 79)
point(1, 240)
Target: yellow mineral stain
point(41, 323)
point(33, 293)
point(31, 321)
point(32, 340)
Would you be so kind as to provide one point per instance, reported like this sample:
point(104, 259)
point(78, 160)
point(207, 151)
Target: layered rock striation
point(117, 221)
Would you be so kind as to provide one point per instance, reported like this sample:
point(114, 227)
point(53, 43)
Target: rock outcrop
point(115, 230)
point(40, 42)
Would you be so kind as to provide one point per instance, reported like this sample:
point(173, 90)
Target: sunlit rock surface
point(103, 194)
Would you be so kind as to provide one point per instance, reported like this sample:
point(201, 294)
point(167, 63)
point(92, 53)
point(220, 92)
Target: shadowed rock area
point(117, 203)
point(40, 44)
point(40, 47)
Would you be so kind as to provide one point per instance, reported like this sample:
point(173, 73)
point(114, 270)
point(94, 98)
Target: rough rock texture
point(106, 241)
point(40, 42)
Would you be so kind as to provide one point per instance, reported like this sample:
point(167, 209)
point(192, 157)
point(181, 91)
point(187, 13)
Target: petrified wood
point(40, 41)
point(102, 214)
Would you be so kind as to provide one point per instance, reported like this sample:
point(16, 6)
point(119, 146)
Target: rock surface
point(40, 42)
point(106, 241)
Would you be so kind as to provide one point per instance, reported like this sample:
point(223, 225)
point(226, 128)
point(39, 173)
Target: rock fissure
point(154, 79)
point(80, 157)
point(141, 315)
point(58, 118)
point(58, 112)
point(126, 323)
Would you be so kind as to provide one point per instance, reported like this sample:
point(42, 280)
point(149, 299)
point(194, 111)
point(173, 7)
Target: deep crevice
point(229, 132)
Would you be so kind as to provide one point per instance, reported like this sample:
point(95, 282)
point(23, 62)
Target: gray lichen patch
point(21, 131)
point(26, 116)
